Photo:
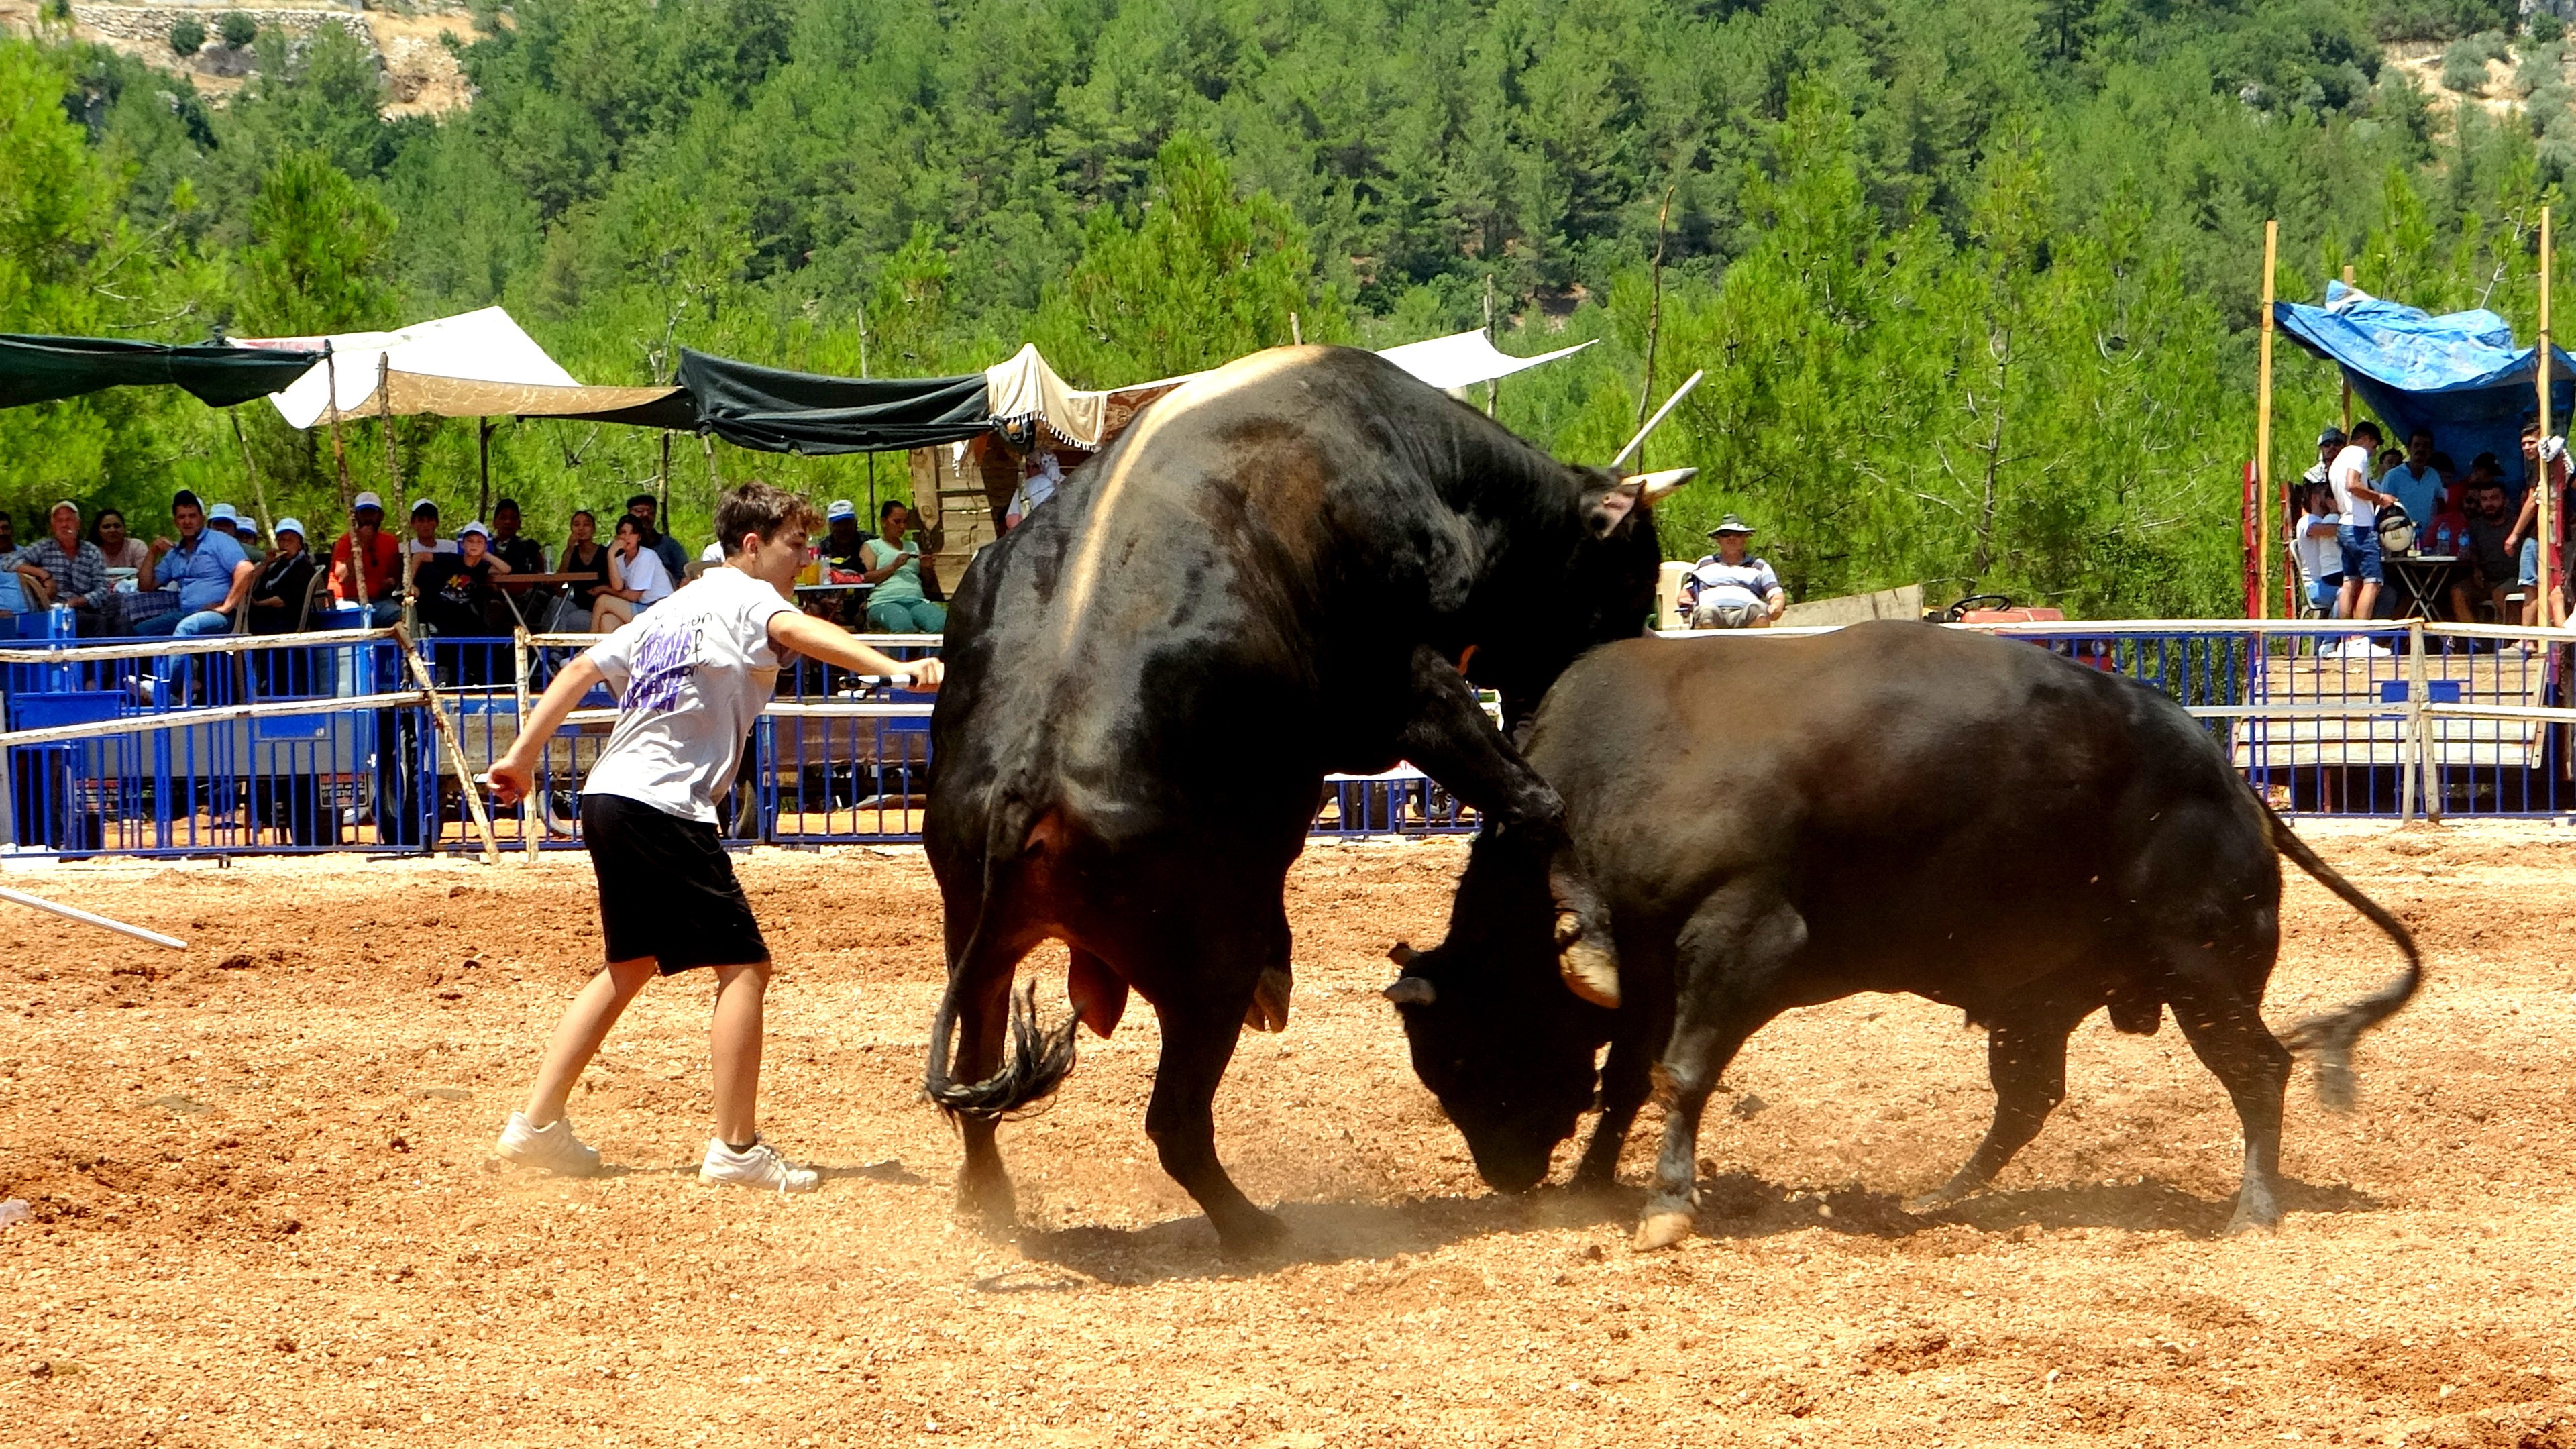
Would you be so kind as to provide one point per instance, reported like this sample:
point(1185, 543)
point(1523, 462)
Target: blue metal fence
point(2455, 721)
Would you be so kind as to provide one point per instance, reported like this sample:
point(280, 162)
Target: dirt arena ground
point(265, 1208)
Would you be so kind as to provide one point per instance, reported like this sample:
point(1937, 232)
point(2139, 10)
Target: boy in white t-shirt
point(694, 675)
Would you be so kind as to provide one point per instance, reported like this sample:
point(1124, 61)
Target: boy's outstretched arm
point(514, 774)
point(815, 639)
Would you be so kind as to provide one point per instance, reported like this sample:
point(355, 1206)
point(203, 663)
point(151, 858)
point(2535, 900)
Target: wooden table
point(524, 581)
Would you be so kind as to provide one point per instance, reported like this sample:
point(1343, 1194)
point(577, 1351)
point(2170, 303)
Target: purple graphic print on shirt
point(662, 661)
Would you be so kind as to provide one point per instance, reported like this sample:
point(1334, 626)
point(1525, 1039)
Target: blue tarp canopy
point(2459, 375)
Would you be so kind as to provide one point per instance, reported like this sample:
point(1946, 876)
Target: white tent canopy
point(1464, 359)
point(1025, 388)
point(484, 346)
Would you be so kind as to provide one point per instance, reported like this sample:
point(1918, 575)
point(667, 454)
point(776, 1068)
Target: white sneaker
point(551, 1147)
point(760, 1167)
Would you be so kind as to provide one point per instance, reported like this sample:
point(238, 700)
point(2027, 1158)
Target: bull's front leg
point(1449, 738)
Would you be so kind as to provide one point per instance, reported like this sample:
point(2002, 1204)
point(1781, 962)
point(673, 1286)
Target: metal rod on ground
point(455, 747)
point(529, 815)
point(68, 913)
point(2263, 426)
point(1657, 420)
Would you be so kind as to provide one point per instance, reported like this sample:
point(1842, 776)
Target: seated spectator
point(1729, 589)
point(899, 605)
point(2413, 480)
point(424, 539)
point(2491, 563)
point(206, 568)
point(646, 510)
point(246, 533)
point(375, 580)
point(284, 581)
point(636, 579)
point(583, 554)
point(2316, 540)
point(524, 555)
point(71, 569)
point(1040, 476)
point(8, 533)
point(455, 592)
point(121, 549)
point(843, 539)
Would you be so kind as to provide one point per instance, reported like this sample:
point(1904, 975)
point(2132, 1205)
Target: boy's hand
point(510, 778)
point(926, 674)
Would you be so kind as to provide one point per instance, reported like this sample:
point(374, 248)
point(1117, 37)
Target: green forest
point(1974, 282)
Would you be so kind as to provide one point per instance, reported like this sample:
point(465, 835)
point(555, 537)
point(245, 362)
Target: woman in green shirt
point(894, 566)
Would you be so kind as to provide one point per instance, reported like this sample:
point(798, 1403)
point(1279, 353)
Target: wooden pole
point(2347, 382)
point(531, 816)
point(258, 490)
point(455, 748)
point(2548, 533)
point(1296, 334)
point(2263, 427)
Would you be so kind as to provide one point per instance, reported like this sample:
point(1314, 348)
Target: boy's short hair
point(2365, 426)
point(760, 508)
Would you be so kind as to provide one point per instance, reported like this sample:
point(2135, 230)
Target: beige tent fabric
point(1025, 387)
point(457, 397)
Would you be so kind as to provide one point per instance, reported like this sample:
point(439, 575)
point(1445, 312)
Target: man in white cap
point(278, 590)
point(1729, 589)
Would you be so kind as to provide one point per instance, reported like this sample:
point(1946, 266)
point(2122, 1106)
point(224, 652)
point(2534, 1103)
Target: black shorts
point(666, 888)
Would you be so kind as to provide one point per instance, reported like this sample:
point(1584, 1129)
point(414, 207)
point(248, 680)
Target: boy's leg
point(577, 1036)
point(735, 1050)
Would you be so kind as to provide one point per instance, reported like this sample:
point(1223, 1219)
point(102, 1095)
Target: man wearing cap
point(207, 569)
point(844, 548)
point(278, 590)
point(1727, 589)
point(374, 581)
point(65, 568)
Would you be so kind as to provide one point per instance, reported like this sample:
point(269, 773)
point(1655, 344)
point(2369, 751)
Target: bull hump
point(1082, 572)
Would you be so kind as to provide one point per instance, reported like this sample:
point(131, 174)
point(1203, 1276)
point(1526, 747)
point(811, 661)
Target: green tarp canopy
point(42, 369)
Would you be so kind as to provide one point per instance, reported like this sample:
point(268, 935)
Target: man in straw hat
point(1729, 589)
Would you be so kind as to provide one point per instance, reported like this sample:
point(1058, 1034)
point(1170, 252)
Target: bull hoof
point(1661, 1230)
point(2256, 1217)
point(1590, 973)
point(1269, 1009)
point(988, 1203)
point(1249, 1232)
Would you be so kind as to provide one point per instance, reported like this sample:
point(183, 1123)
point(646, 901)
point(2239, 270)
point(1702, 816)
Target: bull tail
point(1036, 1060)
point(2331, 1035)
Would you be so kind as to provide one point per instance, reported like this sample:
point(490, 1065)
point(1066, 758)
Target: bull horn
point(1412, 991)
point(1657, 486)
point(1590, 973)
point(1401, 953)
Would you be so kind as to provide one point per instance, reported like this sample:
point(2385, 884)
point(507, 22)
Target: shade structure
point(2458, 375)
point(1464, 359)
point(483, 346)
point(43, 369)
point(422, 394)
point(776, 411)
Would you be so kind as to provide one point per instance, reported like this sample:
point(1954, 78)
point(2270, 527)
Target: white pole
point(1656, 421)
point(85, 918)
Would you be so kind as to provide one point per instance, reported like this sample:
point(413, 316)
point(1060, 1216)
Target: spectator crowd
point(217, 571)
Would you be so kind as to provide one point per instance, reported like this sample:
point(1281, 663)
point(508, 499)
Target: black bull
point(1774, 823)
point(1268, 578)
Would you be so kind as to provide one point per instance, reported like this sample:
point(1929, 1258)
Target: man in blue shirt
point(209, 570)
point(2415, 483)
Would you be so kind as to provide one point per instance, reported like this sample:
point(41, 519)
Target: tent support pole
point(2347, 381)
point(2548, 532)
point(258, 489)
point(483, 461)
point(715, 480)
point(348, 501)
point(1493, 385)
point(2263, 430)
point(393, 486)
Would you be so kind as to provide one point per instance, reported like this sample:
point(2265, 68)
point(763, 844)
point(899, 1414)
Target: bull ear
point(1615, 506)
point(1658, 486)
point(1412, 991)
point(1401, 953)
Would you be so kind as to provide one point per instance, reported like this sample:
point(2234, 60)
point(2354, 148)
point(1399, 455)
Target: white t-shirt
point(691, 680)
point(645, 572)
point(2352, 466)
point(2320, 554)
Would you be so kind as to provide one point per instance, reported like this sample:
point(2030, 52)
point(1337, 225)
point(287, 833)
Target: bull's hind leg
point(983, 1023)
point(1198, 1041)
point(2226, 1031)
point(2026, 1060)
point(1729, 961)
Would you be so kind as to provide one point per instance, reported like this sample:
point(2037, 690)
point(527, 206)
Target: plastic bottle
point(65, 624)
